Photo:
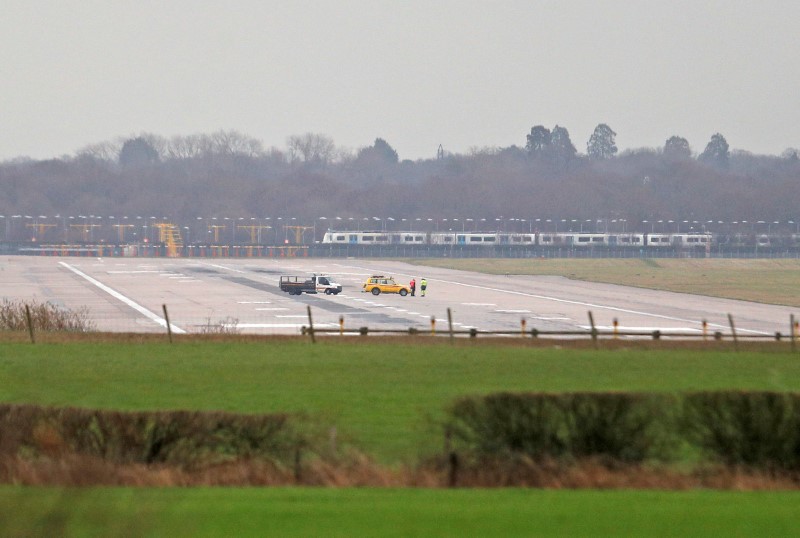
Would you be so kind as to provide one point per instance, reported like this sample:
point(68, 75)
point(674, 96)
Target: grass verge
point(770, 281)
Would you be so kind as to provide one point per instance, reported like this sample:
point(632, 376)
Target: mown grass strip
point(408, 512)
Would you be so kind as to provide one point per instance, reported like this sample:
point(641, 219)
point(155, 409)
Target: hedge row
point(180, 438)
point(754, 429)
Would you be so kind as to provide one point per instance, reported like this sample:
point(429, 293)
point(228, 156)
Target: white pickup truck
point(295, 285)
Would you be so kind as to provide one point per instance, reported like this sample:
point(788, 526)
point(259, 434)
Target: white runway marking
point(646, 330)
point(224, 267)
point(276, 308)
point(253, 302)
point(279, 325)
point(117, 295)
point(479, 304)
point(513, 311)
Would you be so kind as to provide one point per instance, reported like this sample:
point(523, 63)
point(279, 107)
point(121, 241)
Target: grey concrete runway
point(127, 294)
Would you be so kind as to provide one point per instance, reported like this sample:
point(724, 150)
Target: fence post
point(311, 325)
point(433, 325)
point(616, 328)
point(169, 325)
point(522, 324)
point(30, 323)
point(341, 325)
point(594, 329)
point(705, 330)
point(450, 324)
point(297, 462)
point(733, 332)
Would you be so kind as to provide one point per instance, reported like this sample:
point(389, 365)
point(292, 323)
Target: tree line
point(231, 174)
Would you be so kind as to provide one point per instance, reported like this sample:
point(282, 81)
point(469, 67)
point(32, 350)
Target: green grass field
point(773, 281)
point(384, 398)
point(406, 512)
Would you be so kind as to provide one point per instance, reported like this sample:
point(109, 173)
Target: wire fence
point(305, 325)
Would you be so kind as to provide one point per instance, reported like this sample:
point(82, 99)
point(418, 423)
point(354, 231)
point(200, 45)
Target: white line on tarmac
point(646, 330)
point(278, 325)
point(223, 267)
point(117, 295)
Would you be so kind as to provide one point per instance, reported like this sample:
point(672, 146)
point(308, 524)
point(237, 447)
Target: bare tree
point(311, 148)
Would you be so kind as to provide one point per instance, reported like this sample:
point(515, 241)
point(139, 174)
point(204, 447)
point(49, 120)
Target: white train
point(543, 239)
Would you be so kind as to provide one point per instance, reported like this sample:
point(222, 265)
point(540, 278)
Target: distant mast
point(440, 153)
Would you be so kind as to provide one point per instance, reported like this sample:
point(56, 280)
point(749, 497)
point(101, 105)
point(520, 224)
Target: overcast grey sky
point(417, 73)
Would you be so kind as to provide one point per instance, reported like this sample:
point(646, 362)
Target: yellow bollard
point(522, 323)
point(433, 325)
point(705, 329)
point(616, 328)
point(341, 325)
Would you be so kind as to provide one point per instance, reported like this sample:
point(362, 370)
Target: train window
point(408, 238)
point(367, 238)
point(419, 238)
point(448, 239)
point(527, 239)
point(340, 238)
point(597, 239)
point(583, 239)
point(516, 239)
point(474, 239)
point(489, 238)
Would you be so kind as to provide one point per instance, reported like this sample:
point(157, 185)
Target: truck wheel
point(376, 291)
point(403, 293)
point(328, 291)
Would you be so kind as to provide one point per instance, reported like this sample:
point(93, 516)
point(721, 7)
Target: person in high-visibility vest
point(422, 285)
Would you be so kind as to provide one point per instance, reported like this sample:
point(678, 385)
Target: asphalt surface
point(128, 294)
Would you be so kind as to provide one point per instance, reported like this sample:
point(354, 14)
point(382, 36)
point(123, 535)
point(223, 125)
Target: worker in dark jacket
point(412, 285)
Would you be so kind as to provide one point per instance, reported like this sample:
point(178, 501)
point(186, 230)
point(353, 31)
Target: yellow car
point(377, 284)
